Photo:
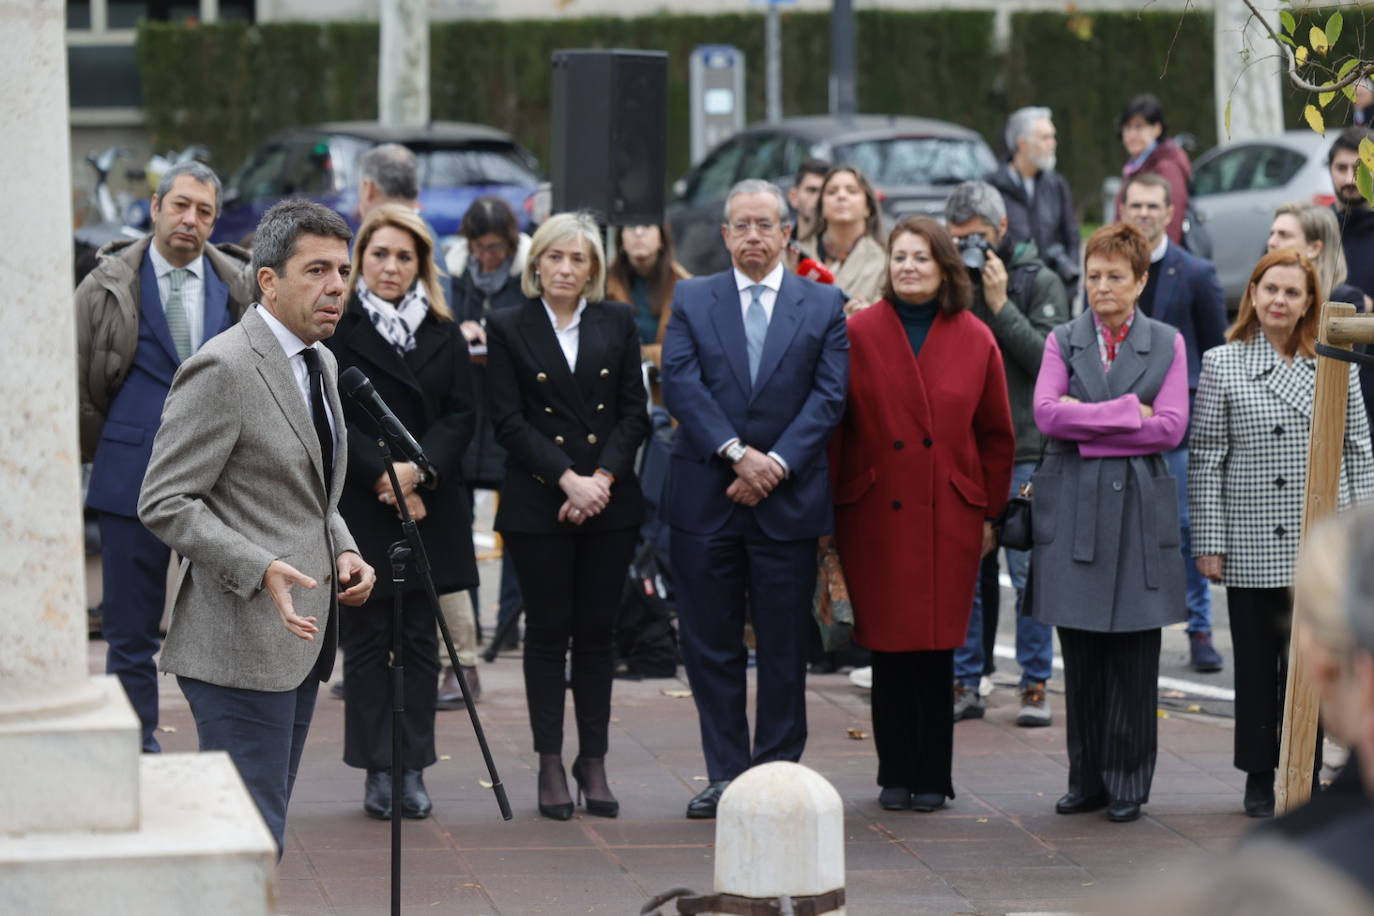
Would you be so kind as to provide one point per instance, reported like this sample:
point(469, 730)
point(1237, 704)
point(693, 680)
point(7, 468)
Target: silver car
point(1237, 187)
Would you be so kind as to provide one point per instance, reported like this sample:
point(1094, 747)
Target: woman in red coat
point(922, 464)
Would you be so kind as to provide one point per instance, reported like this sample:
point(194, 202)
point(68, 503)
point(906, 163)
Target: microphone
point(812, 269)
point(359, 388)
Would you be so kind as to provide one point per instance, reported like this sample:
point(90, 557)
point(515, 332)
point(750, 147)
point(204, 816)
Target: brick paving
point(997, 848)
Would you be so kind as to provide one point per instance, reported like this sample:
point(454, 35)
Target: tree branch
point(1350, 78)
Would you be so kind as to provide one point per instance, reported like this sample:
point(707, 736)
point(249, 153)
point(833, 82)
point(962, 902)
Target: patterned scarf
point(1109, 341)
point(397, 323)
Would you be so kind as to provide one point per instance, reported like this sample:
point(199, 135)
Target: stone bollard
point(780, 832)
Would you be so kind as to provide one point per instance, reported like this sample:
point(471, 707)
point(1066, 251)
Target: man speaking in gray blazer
point(244, 485)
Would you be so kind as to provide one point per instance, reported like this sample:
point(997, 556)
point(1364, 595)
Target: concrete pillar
point(1253, 92)
point(780, 830)
point(81, 813)
point(403, 67)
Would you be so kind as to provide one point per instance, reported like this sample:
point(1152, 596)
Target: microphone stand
point(413, 548)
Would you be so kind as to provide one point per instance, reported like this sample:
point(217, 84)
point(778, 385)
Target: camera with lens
point(973, 250)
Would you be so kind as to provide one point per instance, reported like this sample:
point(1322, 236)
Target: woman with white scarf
point(399, 331)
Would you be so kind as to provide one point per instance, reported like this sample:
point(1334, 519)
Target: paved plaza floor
point(997, 848)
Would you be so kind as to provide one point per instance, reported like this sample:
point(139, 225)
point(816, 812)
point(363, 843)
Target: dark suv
point(458, 163)
point(912, 162)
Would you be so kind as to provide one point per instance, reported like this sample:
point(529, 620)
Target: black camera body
point(973, 250)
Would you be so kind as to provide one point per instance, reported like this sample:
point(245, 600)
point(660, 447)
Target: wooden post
point(1339, 328)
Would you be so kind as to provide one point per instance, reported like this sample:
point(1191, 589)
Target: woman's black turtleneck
point(916, 318)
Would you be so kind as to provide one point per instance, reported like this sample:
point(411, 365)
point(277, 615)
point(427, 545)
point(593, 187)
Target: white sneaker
point(985, 686)
point(862, 677)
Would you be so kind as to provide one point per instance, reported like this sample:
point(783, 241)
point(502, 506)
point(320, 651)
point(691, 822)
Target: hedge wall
point(230, 85)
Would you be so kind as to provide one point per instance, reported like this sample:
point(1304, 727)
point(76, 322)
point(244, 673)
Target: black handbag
point(1014, 524)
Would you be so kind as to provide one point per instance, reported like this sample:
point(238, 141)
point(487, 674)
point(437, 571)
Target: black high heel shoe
point(560, 811)
point(598, 806)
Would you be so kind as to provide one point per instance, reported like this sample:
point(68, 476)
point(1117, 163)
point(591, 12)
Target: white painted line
point(1168, 683)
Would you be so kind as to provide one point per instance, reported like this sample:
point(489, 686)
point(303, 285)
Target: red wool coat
point(922, 457)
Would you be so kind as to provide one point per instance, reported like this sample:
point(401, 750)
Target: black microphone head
point(354, 382)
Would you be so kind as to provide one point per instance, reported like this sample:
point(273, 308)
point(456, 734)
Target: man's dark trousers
point(716, 576)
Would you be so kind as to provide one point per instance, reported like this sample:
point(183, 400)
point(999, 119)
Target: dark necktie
point(317, 414)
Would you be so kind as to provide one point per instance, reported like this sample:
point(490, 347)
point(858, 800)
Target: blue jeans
point(1199, 594)
point(1034, 640)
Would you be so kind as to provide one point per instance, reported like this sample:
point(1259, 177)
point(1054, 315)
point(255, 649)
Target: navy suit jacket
point(791, 409)
point(126, 439)
point(1188, 296)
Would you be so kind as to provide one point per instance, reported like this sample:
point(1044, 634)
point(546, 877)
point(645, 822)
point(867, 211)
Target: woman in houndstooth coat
point(1247, 468)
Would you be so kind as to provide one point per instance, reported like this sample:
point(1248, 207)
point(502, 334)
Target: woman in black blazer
point(568, 403)
point(398, 330)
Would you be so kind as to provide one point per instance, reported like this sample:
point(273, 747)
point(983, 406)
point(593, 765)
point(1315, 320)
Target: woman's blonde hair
point(402, 217)
point(557, 229)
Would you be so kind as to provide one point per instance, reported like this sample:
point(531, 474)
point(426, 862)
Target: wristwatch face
point(735, 452)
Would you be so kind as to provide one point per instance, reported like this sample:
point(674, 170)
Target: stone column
point(1251, 86)
point(403, 67)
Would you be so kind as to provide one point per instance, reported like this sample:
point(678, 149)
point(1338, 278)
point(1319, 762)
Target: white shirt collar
point(773, 280)
point(291, 345)
point(162, 267)
point(1158, 254)
point(553, 319)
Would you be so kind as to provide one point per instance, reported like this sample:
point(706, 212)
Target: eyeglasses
point(742, 226)
point(491, 248)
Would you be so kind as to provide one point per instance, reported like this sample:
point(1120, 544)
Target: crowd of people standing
point(896, 411)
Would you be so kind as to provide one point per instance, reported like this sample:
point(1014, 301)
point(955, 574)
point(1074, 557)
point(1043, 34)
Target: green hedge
point(231, 85)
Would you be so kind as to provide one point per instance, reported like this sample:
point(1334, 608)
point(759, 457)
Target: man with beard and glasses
point(1039, 205)
point(1182, 290)
point(1022, 302)
point(1352, 210)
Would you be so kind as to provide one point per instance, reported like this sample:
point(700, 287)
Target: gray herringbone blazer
point(1247, 459)
point(236, 480)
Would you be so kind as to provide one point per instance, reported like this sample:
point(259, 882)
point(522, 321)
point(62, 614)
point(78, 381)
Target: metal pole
point(843, 94)
point(773, 48)
point(403, 64)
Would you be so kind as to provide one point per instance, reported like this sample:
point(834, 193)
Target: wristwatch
point(735, 451)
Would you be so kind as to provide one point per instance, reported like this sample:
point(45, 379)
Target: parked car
point(912, 162)
point(458, 163)
point(1237, 186)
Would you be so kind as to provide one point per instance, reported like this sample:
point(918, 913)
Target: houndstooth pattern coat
point(1247, 459)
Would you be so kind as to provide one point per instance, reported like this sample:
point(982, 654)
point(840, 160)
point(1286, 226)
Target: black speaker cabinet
point(610, 134)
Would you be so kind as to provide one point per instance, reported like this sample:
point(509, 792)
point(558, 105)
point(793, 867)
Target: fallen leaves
point(856, 734)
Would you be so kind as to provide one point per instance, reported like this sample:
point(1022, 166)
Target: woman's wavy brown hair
point(1304, 338)
point(956, 289)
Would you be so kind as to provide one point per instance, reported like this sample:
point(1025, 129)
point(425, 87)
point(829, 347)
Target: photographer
point(1021, 300)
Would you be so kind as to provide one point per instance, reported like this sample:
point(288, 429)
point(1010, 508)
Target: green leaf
point(1349, 93)
point(1333, 27)
point(1364, 181)
point(1317, 39)
point(1366, 152)
point(1314, 120)
point(1289, 23)
point(1226, 119)
point(1325, 98)
point(1288, 41)
point(1346, 68)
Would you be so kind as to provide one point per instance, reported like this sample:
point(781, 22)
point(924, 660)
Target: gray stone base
point(201, 847)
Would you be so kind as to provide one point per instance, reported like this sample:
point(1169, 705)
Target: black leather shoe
point(377, 795)
point(1123, 812)
point(1259, 794)
point(1073, 803)
point(703, 805)
point(926, 802)
point(895, 798)
point(554, 787)
point(415, 803)
point(601, 807)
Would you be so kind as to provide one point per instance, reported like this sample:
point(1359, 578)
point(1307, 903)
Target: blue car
point(458, 164)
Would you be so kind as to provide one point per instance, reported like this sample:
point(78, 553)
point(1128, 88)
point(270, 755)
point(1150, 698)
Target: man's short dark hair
point(817, 167)
point(1348, 140)
point(274, 241)
point(393, 169)
point(1149, 180)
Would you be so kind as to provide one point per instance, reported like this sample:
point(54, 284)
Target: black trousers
point(1261, 621)
point(571, 583)
point(990, 589)
point(365, 637)
point(1111, 688)
point(913, 720)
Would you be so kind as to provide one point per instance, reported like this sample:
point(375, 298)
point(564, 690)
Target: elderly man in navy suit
point(147, 306)
point(755, 369)
point(1181, 290)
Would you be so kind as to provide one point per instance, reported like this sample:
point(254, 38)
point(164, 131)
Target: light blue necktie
point(175, 311)
point(755, 329)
